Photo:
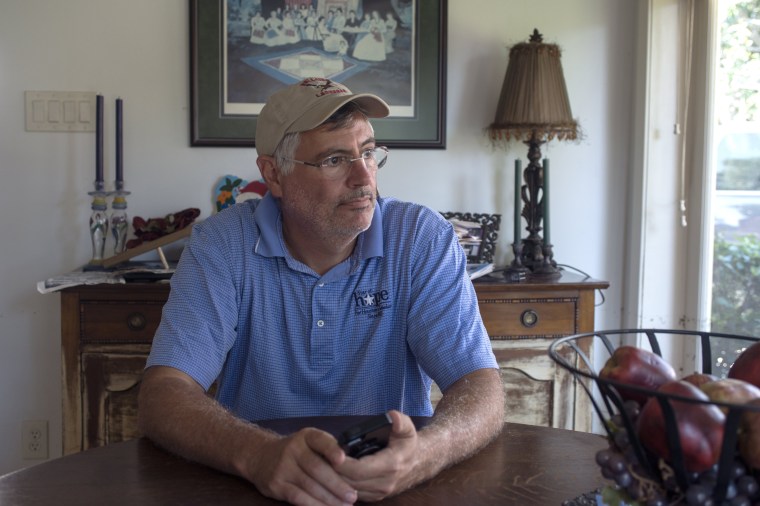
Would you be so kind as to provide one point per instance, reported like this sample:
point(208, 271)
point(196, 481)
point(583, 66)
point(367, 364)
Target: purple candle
point(99, 139)
point(119, 143)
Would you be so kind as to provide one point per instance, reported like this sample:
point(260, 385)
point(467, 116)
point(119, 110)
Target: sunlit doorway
point(735, 298)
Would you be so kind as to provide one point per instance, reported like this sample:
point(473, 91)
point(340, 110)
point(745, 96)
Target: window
point(735, 298)
point(695, 210)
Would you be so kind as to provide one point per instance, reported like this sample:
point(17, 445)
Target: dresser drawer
point(119, 321)
point(514, 318)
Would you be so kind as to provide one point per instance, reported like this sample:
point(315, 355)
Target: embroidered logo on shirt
point(371, 303)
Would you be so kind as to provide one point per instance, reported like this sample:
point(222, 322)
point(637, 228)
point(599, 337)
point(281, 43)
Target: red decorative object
point(153, 228)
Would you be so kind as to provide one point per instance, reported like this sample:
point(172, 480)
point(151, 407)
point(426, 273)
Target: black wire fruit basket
point(637, 472)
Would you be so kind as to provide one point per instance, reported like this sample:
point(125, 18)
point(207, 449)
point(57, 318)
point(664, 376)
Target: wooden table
point(526, 465)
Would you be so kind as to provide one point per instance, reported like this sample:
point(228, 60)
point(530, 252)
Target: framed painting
point(241, 51)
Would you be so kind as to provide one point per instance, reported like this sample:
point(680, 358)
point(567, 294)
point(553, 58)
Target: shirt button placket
point(321, 347)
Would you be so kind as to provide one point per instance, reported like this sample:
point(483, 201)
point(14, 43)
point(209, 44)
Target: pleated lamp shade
point(533, 104)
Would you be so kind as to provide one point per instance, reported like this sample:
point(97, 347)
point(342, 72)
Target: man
point(321, 299)
point(351, 27)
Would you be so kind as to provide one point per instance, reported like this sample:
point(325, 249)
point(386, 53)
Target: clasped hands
point(310, 468)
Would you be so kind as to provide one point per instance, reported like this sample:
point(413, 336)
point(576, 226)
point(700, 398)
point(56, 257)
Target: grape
point(622, 467)
point(698, 494)
point(747, 485)
point(621, 439)
point(633, 490)
point(670, 482)
point(616, 463)
point(740, 500)
point(738, 469)
point(602, 456)
point(632, 409)
point(630, 455)
point(614, 467)
point(608, 473)
point(709, 477)
point(623, 479)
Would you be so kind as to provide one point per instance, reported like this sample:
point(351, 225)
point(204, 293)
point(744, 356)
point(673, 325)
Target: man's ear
point(270, 173)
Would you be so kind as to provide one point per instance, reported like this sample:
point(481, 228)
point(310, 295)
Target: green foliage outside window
point(736, 260)
point(740, 61)
point(736, 285)
point(735, 297)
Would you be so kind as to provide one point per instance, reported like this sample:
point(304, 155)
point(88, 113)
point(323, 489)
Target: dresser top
point(566, 280)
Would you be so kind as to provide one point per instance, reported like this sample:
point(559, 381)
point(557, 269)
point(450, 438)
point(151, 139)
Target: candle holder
point(98, 223)
point(516, 272)
point(119, 222)
point(547, 269)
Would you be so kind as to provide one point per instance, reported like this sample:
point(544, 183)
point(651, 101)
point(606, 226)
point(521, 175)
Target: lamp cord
point(683, 105)
point(561, 266)
point(588, 276)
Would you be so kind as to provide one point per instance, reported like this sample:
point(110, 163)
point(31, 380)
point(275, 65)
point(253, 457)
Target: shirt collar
point(371, 240)
point(267, 218)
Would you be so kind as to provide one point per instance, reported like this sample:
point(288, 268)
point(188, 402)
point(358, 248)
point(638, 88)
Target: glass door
point(735, 298)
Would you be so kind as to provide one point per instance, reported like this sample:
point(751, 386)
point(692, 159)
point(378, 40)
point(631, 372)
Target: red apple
point(747, 365)
point(730, 390)
point(698, 379)
point(749, 436)
point(638, 367)
point(700, 426)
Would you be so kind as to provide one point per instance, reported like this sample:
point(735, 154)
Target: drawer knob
point(136, 321)
point(529, 318)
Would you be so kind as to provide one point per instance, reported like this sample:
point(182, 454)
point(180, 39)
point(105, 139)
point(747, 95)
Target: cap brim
point(372, 105)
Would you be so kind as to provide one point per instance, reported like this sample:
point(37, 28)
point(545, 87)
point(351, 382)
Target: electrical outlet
point(34, 439)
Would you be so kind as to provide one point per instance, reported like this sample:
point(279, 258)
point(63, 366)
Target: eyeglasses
point(337, 166)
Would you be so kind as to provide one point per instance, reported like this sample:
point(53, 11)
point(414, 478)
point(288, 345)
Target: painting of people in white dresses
point(369, 45)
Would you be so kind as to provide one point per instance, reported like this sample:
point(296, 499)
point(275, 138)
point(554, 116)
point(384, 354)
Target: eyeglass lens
point(372, 158)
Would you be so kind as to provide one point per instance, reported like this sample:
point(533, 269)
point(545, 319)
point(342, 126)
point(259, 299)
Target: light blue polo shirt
point(366, 337)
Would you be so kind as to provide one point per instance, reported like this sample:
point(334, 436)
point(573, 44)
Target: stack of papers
point(477, 270)
point(127, 271)
point(468, 232)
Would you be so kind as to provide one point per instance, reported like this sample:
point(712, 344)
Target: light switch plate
point(60, 111)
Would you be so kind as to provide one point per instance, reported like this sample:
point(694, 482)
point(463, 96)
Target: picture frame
point(488, 232)
point(213, 122)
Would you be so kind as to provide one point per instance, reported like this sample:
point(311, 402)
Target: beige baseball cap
point(306, 105)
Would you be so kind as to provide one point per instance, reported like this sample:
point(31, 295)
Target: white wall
point(138, 50)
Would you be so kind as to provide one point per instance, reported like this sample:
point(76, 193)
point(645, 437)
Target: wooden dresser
point(106, 331)
point(522, 319)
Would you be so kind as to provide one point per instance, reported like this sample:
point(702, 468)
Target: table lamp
point(533, 108)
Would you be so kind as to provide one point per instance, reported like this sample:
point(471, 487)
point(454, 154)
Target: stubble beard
point(331, 222)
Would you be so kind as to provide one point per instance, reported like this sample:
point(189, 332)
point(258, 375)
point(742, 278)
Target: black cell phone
point(366, 437)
